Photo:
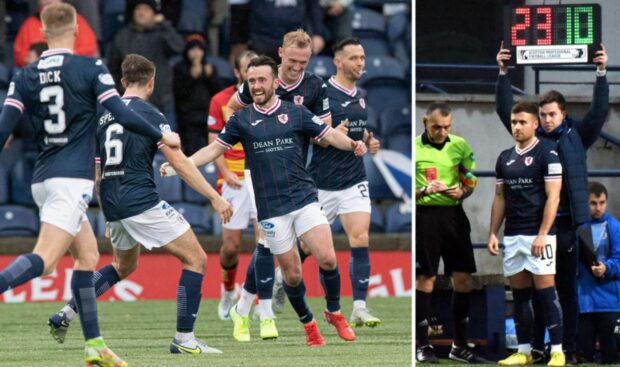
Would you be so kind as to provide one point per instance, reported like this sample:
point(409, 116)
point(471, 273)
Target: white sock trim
point(245, 303)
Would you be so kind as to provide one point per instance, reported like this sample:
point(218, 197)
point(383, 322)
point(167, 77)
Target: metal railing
point(539, 69)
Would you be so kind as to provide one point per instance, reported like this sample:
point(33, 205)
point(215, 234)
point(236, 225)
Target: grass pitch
point(140, 332)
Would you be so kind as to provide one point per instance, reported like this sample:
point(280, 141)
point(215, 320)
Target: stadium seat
point(322, 66)
point(380, 96)
point(398, 218)
point(398, 32)
point(376, 220)
point(383, 68)
point(92, 215)
point(197, 216)
point(337, 226)
point(192, 196)
point(396, 120)
point(169, 189)
point(399, 142)
point(224, 70)
point(18, 221)
point(373, 122)
point(5, 77)
point(4, 184)
point(375, 46)
point(101, 222)
point(21, 179)
point(379, 190)
point(112, 18)
point(193, 17)
point(367, 22)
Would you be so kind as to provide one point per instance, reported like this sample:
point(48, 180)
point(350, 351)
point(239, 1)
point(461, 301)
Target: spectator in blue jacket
point(598, 286)
point(573, 137)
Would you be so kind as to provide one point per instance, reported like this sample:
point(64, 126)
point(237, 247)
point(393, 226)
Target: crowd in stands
point(191, 43)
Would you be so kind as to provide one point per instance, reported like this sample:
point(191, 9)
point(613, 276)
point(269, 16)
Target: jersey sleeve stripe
point(323, 133)
point(326, 116)
point(223, 143)
point(97, 160)
point(15, 103)
point(160, 145)
point(553, 178)
point(499, 181)
point(238, 99)
point(107, 94)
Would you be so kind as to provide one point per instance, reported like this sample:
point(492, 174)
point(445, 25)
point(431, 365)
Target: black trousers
point(603, 326)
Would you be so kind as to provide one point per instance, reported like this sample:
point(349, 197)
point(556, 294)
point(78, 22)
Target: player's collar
point(290, 87)
point(528, 148)
point(56, 51)
point(343, 89)
point(270, 110)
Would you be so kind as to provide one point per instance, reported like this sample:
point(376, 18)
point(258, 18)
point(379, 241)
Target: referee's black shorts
point(443, 232)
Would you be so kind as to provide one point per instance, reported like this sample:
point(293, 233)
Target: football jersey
point(523, 173)
point(334, 169)
point(234, 157)
point(273, 143)
point(60, 93)
point(127, 185)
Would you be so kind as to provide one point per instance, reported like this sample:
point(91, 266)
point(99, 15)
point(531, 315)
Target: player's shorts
point(353, 199)
point(443, 232)
point(242, 201)
point(153, 228)
point(63, 202)
point(281, 232)
point(518, 256)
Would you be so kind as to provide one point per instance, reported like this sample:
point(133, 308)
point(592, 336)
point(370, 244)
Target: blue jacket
point(573, 138)
point(602, 294)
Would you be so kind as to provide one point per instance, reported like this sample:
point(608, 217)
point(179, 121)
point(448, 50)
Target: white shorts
point(63, 202)
point(518, 256)
point(153, 228)
point(244, 208)
point(281, 232)
point(354, 199)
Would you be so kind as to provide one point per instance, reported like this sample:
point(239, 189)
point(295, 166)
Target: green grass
point(140, 332)
point(448, 362)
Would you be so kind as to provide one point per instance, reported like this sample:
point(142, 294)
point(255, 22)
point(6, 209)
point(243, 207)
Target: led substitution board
point(553, 34)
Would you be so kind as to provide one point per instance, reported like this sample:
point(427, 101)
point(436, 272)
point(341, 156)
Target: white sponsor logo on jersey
point(317, 120)
point(554, 168)
point(106, 79)
point(11, 89)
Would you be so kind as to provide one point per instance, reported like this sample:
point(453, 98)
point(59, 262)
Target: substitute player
point(340, 176)
point(300, 87)
point(232, 184)
point(137, 215)
point(527, 194)
point(272, 133)
point(60, 94)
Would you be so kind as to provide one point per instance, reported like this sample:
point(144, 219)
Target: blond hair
point(298, 38)
point(58, 20)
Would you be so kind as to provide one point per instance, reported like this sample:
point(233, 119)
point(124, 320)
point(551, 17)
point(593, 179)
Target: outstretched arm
point(503, 89)
point(340, 141)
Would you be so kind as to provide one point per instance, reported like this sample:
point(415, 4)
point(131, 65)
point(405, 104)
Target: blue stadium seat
point(322, 66)
point(337, 226)
point(376, 220)
point(375, 46)
point(193, 17)
point(100, 221)
point(399, 142)
point(367, 22)
point(396, 119)
point(398, 218)
point(224, 69)
point(382, 69)
point(169, 189)
point(192, 196)
point(379, 190)
point(197, 216)
point(91, 214)
point(18, 221)
point(112, 18)
point(380, 95)
point(21, 179)
point(4, 184)
point(5, 77)
point(373, 122)
point(399, 36)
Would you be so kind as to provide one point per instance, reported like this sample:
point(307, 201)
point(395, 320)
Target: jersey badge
point(362, 103)
point(283, 118)
point(299, 100)
point(529, 161)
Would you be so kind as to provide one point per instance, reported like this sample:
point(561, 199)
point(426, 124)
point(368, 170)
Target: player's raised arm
point(503, 90)
point(238, 101)
point(186, 169)
point(340, 141)
point(590, 127)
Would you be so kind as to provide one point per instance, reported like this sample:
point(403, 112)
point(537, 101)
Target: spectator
point(195, 82)
point(150, 35)
point(35, 50)
point(443, 229)
point(338, 18)
point(574, 137)
point(271, 20)
point(598, 284)
point(239, 27)
point(30, 32)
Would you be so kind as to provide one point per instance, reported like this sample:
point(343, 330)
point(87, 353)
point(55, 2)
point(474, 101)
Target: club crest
point(362, 103)
point(283, 118)
point(299, 100)
point(529, 160)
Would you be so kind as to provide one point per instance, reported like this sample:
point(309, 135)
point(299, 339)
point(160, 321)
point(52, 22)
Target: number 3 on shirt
point(46, 94)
